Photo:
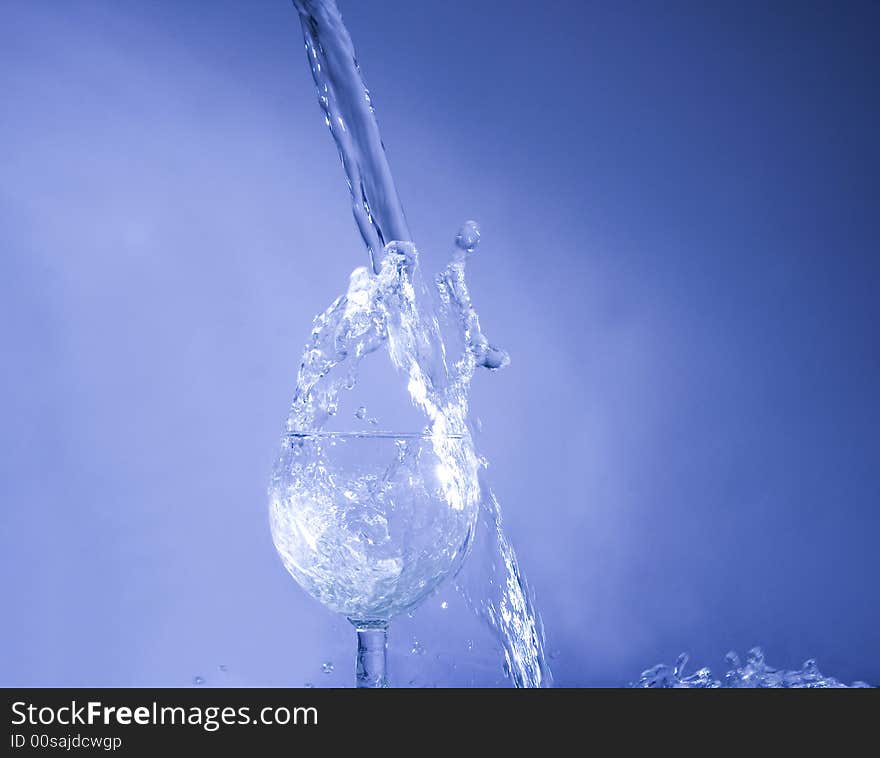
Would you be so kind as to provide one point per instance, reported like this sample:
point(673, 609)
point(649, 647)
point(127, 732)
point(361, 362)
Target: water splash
point(499, 594)
point(754, 673)
point(389, 308)
point(383, 313)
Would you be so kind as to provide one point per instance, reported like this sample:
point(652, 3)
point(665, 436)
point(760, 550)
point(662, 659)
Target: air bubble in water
point(198, 681)
point(327, 667)
point(361, 412)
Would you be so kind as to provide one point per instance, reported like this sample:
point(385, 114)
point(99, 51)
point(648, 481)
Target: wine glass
point(370, 523)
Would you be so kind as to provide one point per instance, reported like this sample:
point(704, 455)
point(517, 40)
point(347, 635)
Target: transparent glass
point(370, 523)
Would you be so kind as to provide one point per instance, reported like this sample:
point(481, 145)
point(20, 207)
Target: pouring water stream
point(389, 307)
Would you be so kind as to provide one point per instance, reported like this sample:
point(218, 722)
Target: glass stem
point(371, 656)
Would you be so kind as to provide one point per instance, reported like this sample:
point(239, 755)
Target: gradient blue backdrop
point(680, 211)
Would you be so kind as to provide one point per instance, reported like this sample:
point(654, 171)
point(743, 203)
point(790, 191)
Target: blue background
point(679, 204)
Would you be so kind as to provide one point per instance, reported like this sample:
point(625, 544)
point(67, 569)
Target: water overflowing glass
point(370, 522)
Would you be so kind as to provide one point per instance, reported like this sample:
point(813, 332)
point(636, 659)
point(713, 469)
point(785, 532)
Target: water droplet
point(417, 647)
point(327, 667)
point(470, 644)
point(732, 659)
point(309, 686)
point(361, 412)
point(198, 681)
point(223, 667)
point(444, 605)
point(468, 236)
